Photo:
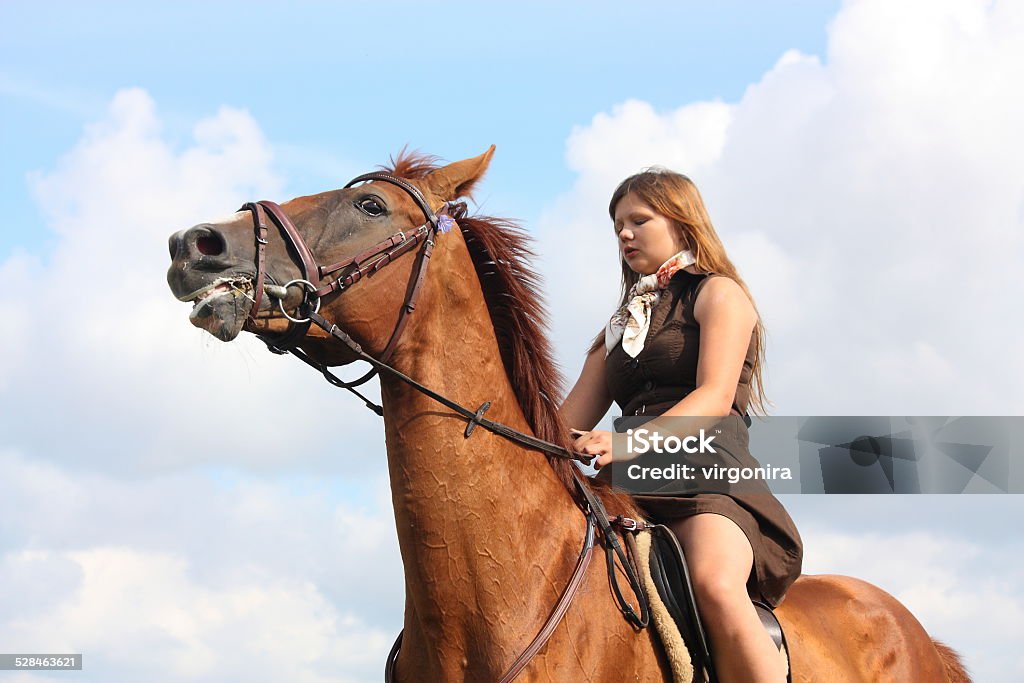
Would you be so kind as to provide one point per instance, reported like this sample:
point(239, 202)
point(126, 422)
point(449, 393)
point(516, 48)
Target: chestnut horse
point(489, 529)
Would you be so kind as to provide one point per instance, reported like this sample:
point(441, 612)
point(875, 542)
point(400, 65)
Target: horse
point(489, 523)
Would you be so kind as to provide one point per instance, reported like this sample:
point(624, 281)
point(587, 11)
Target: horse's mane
point(501, 252)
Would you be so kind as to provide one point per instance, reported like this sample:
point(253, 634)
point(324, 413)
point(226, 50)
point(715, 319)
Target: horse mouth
point(222, 306)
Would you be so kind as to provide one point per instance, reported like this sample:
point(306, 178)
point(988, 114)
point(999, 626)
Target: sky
point(861, 162)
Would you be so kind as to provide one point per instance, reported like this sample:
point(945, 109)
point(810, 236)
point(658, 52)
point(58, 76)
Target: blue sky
point(344, 85)
point(861, 162)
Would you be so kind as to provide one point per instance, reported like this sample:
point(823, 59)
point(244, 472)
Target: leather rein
point(320, 281)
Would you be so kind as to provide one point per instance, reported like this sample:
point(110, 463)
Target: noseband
point(342, 275)
point(352, 269)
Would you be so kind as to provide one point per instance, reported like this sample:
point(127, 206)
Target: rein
point(368, 262)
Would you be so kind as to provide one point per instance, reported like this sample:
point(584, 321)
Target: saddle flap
point(770, 622)
point(671, 577)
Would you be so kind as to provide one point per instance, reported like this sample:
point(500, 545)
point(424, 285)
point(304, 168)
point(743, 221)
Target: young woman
point(688, 341)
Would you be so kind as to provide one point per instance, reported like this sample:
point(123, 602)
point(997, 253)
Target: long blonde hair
point(674, 196)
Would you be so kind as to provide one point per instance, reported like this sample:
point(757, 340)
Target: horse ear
point(458, 179)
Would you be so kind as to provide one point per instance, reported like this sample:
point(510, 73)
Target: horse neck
point(477, 517)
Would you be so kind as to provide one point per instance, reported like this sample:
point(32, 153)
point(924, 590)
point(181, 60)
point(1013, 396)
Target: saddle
point(666, 579)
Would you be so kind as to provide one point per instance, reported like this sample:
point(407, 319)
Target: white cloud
point(872, 199)
point(242, 520)
point(104, 369)
point(246, 579)
point(142, 615)
point(634, 133)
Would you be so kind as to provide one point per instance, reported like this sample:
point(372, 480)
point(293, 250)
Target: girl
point(687, 341)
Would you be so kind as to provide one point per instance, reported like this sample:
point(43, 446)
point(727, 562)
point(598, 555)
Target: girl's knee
point(717, 593)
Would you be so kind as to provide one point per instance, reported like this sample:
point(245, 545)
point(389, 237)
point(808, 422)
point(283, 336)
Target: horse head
point(238, 276)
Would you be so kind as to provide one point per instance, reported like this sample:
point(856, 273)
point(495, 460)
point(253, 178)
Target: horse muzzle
point(219, 286)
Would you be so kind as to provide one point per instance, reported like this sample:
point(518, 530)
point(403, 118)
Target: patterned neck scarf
point(631, 323)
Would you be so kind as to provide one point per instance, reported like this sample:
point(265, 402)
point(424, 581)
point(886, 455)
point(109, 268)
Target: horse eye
point(370, 206)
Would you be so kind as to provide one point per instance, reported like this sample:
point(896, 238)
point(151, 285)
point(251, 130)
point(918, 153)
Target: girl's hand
point(597, 442)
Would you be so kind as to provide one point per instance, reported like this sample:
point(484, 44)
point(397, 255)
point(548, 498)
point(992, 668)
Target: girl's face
point(646, 238)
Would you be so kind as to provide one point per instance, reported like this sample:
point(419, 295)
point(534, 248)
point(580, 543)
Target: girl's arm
point(589, 399)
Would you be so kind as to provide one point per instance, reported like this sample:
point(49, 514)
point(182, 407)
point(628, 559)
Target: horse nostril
point(197, 242)
point(210, 244)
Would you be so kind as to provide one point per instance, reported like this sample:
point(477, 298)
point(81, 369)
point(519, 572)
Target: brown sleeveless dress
point(661, 375)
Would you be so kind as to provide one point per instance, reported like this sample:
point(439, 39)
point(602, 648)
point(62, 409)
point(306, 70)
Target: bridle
point(320, 281)
point(367, 262)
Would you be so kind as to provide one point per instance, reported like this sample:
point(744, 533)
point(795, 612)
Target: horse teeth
point(212, 291)
point(225, 284)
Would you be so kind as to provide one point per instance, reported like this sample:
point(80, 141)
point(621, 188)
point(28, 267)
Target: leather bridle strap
point(367, 262)
point(309, 267)
point(546, 631)
point(613, 549)
point(260, 210)
point(385, 251)
point(426, 232)
point(370, 260)
point(259, 219)
point(474, 418)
